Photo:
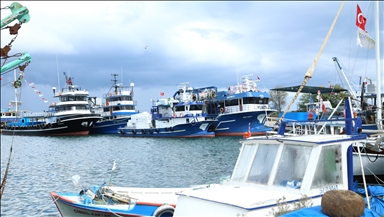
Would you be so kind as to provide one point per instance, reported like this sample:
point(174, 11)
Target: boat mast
point(115, 82)
point(378, 68)
point(16, 94)
point(311, 69)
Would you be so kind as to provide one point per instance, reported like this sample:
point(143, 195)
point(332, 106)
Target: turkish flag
point(360, 19)
point(161, 93)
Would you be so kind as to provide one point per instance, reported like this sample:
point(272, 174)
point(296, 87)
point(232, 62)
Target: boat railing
point(120, 103)
point(312, 127)
point(253, 107)
point(33, 114)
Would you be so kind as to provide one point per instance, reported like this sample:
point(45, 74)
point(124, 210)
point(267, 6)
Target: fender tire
point(164, 211)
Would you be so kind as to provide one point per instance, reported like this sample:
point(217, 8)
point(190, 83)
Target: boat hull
point(372, 164)
point(69, 205)
point(109, 126)
point(236, 124)
point(187, 130)
point(70, 126)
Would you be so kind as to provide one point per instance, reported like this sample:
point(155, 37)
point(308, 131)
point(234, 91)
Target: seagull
point(146, 47)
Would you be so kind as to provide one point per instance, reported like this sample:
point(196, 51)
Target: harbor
point(221, 145)
point(40, 165)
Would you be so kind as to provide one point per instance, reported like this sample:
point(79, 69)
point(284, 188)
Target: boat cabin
point(268, 169)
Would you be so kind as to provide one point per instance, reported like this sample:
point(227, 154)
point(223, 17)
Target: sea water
point(40, 165)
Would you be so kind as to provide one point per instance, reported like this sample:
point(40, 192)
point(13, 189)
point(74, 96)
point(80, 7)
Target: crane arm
point(25, 58)
point(19, 12)
point(351, 91)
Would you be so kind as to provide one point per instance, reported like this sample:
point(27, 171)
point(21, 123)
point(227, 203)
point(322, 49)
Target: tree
point(278, 99)
point(334, 98)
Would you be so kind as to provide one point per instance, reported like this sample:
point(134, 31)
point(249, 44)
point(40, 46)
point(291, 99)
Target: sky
point(158, 45)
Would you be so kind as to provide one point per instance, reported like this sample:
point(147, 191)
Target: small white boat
point(109, 200)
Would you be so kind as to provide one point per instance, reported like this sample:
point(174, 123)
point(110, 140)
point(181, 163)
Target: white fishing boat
point(272, 168)
point(116, 110)
point(70, 116)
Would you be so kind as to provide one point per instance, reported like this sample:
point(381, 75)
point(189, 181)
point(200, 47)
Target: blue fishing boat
point(181, 116)
point(239, 109)
point(116, 110)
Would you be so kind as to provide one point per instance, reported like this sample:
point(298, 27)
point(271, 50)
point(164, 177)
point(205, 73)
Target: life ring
point(181, 115)
point(174, 115)
point(107, 103)
point(164, 210)
point(193, 122)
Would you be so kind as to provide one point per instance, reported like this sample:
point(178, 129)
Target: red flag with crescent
point(360, 19)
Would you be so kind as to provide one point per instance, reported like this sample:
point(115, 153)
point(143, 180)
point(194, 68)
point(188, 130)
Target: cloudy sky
point(158, 45)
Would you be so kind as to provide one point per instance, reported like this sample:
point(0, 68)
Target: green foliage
point(277, 99)
point(283, 207)
point(334, 98)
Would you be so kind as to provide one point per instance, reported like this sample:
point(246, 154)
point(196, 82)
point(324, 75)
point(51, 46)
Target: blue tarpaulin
point(376, 204)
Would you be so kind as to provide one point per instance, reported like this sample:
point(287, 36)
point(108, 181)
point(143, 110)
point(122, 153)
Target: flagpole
point(378, 68)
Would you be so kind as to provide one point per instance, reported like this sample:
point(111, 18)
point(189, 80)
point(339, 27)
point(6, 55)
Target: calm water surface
point(40, 165)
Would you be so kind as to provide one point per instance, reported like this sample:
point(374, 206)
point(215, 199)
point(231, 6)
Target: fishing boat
point(70, 116)
point(110, 200)
point(116, 110)
point(271, 169)
point(182, 116)
point(239, 108)
point(10, 114)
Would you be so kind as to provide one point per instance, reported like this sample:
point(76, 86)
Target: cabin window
point(179, 108)
point(232, 102)
point(243, 162)
point(196, 107)
point(262, 164)
point(252, 100)
point(292, 166)
point(328, 170)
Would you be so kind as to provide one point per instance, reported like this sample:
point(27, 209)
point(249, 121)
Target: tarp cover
point(310, 89)
point(377, 204)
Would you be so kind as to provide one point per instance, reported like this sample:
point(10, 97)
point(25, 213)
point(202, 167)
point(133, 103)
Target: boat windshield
point(262, 164)
point(328, 170)
point(292, 166)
